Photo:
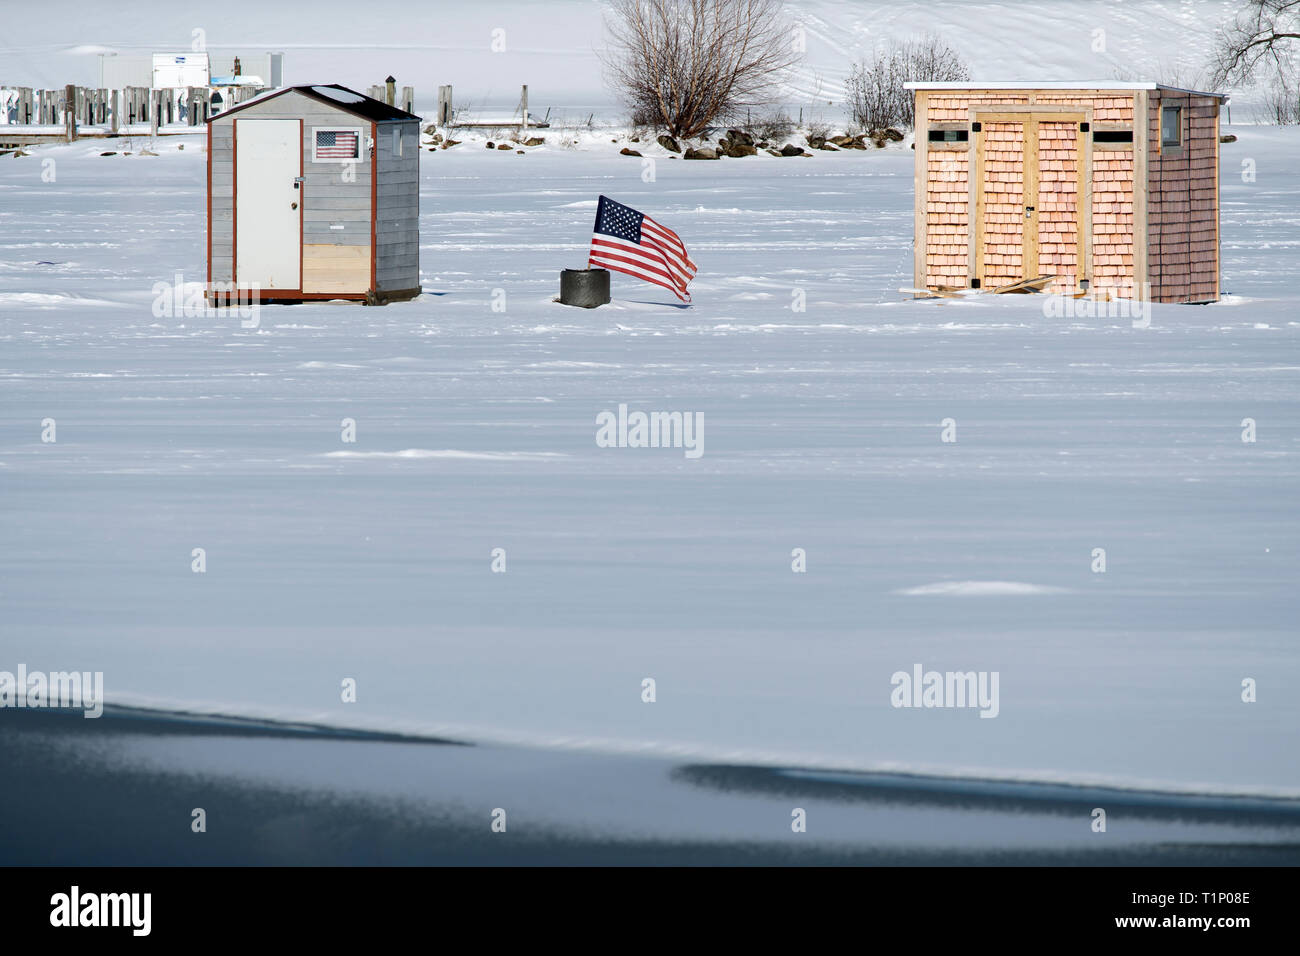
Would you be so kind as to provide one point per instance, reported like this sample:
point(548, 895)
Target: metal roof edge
point(1057, 85)
point(309, 91)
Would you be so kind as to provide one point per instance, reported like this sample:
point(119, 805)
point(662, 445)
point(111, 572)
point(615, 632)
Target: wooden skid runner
point(1020, 287)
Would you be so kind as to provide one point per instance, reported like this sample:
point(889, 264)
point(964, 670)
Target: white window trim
point(361, 143)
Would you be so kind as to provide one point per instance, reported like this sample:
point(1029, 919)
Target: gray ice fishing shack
point(314, 193)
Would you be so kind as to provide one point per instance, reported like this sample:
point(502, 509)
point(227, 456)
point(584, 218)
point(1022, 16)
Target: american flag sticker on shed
point(336, 144)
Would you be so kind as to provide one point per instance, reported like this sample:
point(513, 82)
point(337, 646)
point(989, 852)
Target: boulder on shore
point(668, 143)
point(704, 152)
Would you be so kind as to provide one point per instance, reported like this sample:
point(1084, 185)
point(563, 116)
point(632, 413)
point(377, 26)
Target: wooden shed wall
point(949, 195)
point(1183, 201)
point(397, 226)
point(221, 201)
point(334, 259)
point(1113, 217)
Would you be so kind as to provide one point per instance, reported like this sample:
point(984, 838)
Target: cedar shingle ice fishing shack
point(313, 193)
point(1111, 187)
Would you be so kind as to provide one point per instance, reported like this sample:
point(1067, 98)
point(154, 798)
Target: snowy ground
point(476, 431)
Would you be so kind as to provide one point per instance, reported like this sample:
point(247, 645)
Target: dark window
point(1171, 126)
point(1112, 136)
point(949, 136)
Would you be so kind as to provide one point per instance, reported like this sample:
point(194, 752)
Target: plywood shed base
point(1111, 188)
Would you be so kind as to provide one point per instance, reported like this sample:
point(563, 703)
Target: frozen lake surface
point(476, 431)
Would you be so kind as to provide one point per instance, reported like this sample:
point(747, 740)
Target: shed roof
point(1056, 85)
point(341, 97)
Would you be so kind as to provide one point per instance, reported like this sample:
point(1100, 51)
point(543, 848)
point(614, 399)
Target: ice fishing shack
point(313, 193)
point(1111, 189)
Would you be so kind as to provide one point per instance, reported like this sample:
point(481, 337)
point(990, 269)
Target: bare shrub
point(1282, 102)
point(876, 93)
point(818, 127)
point(690, 64)
point(775, 126)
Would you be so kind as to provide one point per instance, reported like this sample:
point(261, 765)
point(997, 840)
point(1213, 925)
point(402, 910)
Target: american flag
point(336, 144)
point(631, 242)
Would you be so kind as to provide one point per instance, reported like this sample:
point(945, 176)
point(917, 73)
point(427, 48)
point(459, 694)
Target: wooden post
point(70, 112)
point(443, 116)
point(390, 90)
point(115, 124)
point(376, 93)
point(920, 183)
point(25, 105)
point(523, 106)
point(1141, 232)
point(408, 99)
point(155, 108)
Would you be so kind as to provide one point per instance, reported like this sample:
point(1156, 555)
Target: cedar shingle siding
point(1031, 193)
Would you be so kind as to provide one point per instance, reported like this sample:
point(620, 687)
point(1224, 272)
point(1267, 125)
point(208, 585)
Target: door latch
point(1029, 211)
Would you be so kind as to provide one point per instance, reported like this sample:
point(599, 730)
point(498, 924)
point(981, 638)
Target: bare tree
point(876, 93)
point(1263, 37)
point(686, 65)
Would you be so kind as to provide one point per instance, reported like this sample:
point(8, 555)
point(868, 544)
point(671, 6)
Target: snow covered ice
point(824, 393)
point(476, 428)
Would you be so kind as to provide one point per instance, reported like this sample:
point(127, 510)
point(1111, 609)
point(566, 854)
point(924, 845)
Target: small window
point(1112, 136)
point(331, 145)
point(397, 141)
point(1171, 126)
point(949, 136)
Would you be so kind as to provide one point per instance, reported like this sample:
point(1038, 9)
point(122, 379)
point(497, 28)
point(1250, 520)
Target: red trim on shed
point(209, 288)
point(374, 206)
point(302, 197)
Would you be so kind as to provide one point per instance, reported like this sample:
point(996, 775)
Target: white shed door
point(268, 209)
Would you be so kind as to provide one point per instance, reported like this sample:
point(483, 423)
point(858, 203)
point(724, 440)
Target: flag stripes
point(630, 242)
